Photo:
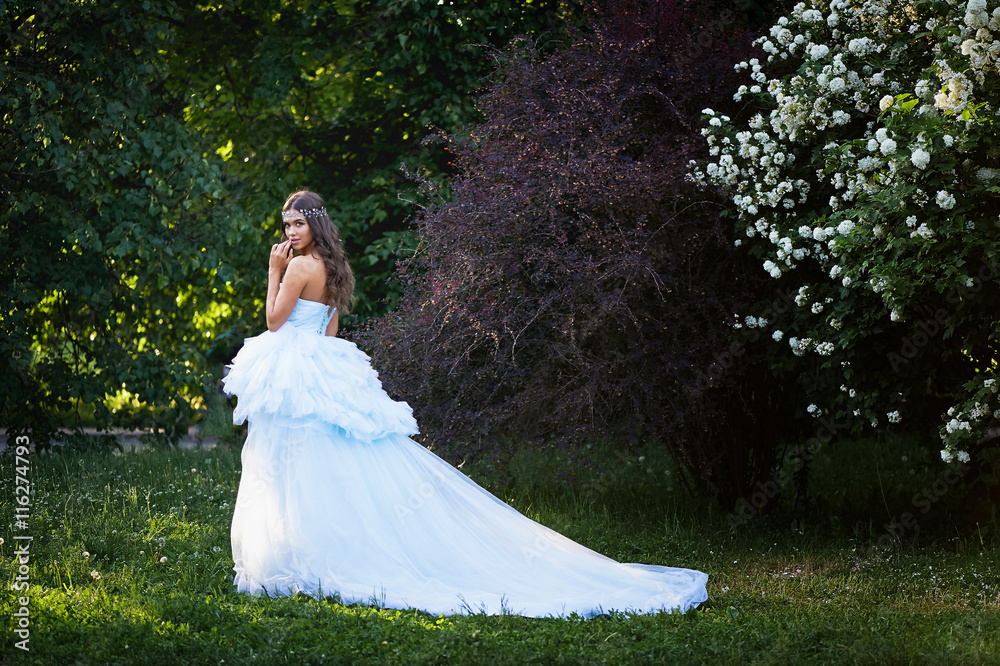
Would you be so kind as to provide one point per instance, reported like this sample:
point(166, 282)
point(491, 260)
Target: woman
point(336, 499)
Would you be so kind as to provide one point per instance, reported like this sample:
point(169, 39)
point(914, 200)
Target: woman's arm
point(331, 328)
point(282, 295)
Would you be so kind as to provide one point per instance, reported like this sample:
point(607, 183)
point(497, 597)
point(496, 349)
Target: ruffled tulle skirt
point(338, 500)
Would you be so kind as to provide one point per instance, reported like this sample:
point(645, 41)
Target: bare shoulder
point(311, 272)
point(305, 265)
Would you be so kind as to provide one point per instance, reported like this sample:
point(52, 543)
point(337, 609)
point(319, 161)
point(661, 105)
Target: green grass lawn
point(130, 564)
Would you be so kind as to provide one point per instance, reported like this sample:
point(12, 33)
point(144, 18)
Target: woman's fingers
point(281, 253)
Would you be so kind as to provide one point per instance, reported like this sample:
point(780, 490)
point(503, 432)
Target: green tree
point(336, 96)
point(147, 148)
point(114, 233)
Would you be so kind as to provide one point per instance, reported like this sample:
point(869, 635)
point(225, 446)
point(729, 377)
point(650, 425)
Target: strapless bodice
point(311, 316)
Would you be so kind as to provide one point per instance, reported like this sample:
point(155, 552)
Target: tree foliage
point(113, 234)
point(577, 286)
point(865, 177)
point(334, 96)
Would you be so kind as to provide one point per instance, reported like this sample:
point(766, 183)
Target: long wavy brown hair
point(326, 239)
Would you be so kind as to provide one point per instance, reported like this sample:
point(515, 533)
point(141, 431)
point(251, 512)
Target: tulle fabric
point(298, 372)
point(336, 499)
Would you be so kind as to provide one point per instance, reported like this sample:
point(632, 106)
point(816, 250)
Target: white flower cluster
point(980, 46)
point(980, 409)
point(920, 158)
point(945, 200)
point(948, 456)
point(799, 346)
point(922, 231)
point(955, 425)
point(837, 81)
point(988, 176)
point(827, 92)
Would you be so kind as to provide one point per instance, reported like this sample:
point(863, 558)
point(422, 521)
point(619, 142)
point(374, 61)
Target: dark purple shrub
point(574, 285)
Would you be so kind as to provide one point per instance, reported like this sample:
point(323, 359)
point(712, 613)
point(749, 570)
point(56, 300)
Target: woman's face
point(298, 232)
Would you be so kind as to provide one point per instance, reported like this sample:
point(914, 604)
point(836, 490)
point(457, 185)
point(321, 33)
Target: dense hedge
point(576, 286)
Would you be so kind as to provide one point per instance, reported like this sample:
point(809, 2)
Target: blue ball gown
point(336, 499)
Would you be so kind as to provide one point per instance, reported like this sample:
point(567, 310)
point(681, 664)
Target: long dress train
point(335, 498)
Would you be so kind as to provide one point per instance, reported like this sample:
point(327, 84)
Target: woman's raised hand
point(281, 254)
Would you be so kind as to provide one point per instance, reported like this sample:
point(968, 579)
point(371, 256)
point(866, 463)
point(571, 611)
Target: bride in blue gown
point(336, 499)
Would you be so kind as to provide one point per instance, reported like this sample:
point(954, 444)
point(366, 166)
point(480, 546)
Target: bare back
point(315, 289)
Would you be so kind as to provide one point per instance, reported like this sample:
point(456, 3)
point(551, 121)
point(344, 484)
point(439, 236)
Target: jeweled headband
point(305, 212)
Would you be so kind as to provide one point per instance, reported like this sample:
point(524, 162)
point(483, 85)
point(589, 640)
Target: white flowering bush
point(864, 177)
